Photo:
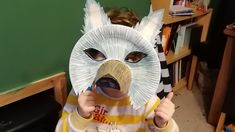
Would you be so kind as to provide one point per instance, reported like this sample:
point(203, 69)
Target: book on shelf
point(179, 39)
point(183, 38)
point(187, 37)
point(165, 38)
point(182, 14)
point(173, 37)
point(176, 66)
point(179, 10)
point(179, 2)
point(168, 35)
point(178, 70)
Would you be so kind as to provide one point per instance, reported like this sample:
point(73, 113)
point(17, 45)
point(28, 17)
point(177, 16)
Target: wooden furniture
point(223, 78)
point(57, 82)
point(202, 18)
point(221, 121)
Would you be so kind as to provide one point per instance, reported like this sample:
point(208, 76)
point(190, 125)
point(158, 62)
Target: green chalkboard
point(37, 36)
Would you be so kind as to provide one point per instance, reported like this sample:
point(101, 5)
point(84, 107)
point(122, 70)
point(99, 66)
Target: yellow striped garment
point(111, 115)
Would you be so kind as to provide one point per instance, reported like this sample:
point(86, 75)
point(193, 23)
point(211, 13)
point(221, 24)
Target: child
point(104, 108)
point(107, 109)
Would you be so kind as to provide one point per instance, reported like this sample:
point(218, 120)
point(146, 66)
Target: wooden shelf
point(172, 57)
point(173, 19)
point(181, 84)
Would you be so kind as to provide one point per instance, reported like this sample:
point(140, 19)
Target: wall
point(37, 36)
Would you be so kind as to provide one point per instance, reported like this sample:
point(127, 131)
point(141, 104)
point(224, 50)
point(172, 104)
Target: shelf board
point(181, 84)
point(172, 19)
point(172, 57)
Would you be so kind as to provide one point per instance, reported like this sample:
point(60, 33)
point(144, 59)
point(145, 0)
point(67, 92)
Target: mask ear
point(150, 9)
point(94, 16)
point(151, 25)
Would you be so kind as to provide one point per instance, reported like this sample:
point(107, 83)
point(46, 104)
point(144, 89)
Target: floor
point(190, 112)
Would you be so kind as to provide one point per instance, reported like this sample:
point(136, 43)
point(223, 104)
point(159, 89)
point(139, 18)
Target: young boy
point(104, 108)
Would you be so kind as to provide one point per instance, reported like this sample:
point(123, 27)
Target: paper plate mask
point(122, 55)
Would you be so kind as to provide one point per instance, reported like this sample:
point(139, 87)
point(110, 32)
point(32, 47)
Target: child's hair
point(123, 16)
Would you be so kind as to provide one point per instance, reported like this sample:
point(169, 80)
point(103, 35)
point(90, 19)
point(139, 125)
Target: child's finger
point(88, 93)
point(167, 111)
point(163, 116)
point(90, 98)
point(170, 95)
point(90, 108)
point(167, 103)
point(90, 103)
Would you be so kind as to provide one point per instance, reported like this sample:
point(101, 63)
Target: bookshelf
point(172, 57)
point(201, 18)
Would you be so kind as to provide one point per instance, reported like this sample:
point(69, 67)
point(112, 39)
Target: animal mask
point(118, 54)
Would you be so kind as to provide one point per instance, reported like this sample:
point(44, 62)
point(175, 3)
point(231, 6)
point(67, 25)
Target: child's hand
point(164, 111)
point(86, 103)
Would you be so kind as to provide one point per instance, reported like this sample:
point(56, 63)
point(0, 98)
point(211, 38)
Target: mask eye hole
point(95, 54)
point(135, 56)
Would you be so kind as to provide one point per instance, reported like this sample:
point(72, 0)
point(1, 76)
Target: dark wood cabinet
point(225, 80)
